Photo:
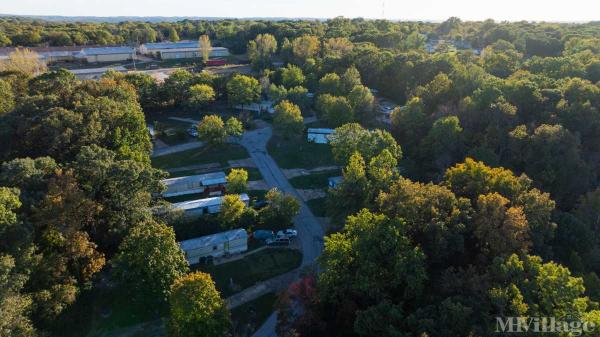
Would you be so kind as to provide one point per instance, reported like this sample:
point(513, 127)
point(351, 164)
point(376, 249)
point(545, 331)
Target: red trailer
point(216, 62)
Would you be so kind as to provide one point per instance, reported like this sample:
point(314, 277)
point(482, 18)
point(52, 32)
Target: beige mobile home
point(216, 245)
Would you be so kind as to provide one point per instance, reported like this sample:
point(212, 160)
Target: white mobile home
point(216, 245)
point(319, 136)
point(205, 206)
point(211, 183)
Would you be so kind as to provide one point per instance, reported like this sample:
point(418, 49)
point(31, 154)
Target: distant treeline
point(540, 39)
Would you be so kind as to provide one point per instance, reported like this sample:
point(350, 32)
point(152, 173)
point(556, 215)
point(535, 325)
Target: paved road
point(177, 148)
point(309, 229)
point(310, 232)
point(268, 328)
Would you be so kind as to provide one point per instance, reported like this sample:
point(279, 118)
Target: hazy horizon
point(425, 10)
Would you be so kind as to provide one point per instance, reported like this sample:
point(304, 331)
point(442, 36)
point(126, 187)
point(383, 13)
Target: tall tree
point(261, 50)
point(231, 211)
point(243, 90)
point(205, 47)
point(288, 118)
point(196, 308)
point(149, 261)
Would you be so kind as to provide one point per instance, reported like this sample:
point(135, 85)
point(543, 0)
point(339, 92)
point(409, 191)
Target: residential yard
point(247, 318)
point(203, 155)
point(316, 180)
point(318, 207)
point(296, 152)
point(100, 311)
point(252, 269)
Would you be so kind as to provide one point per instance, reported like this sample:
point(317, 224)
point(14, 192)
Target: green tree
point(369, 261)
point(212, 130)
point(351, 138)
point(305, 47)
point(336, 110)
point(288, 118)
point(237, 181)
point(196, 308)
point(382, 169)
point(234, 127)
point(353, 193)
point(231, 211)
point(410, 125)
point(362, 102)
point(280, 210)
point(331, 84)
point(173, 36)
point(175, 88)
point(349, 80)
point(7, 97)
point(149, 261)
point(500, 229)
point(243, 90)
point(261, 50)
point(200, 95)
point(292, 76)
point(204, 47)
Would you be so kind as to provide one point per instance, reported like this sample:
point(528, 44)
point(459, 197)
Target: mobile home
point(212, 184)
point(319, 135)
point(216, 245)
point(205, 206)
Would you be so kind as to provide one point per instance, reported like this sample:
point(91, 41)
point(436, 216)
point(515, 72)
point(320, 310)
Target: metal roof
point(206, 179)
point(177, 45)
point(214, 239)
point(202, 203)
point(107, 51)
point(323, 131)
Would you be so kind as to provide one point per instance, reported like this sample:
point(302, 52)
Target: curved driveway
point(309, 229)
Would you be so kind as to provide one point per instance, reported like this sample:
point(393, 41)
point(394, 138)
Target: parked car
point(259, 204)
point(288, 233)
point(192, 132)
point(263, 234)
point(291, 233)
point(278, 242)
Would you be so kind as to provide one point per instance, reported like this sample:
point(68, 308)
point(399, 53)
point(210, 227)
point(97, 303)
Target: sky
point(435, 10)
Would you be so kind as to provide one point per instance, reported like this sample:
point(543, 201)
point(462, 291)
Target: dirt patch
point(293, 173)
point(307, 195)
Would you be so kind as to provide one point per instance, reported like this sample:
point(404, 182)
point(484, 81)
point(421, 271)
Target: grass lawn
point(252, 269)
point(318, 206)
point(247, 318)
point(203, 155)
point(296, 152)
point(316, 180)
point(101, 311)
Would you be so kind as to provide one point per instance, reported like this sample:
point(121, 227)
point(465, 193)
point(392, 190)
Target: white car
point(288, 233)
